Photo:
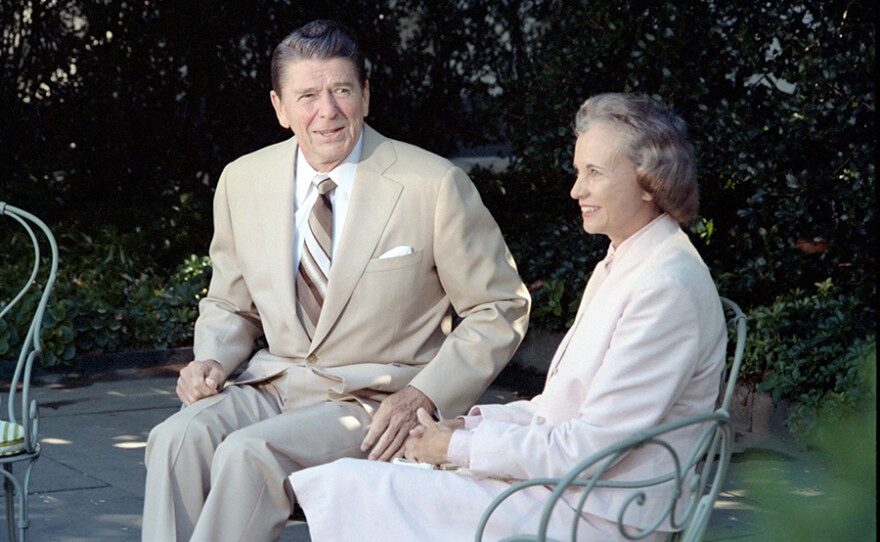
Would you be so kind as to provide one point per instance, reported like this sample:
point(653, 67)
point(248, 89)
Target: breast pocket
point(392, 294)
point(378, 265)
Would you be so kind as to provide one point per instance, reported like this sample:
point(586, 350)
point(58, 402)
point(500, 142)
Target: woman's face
point(611, 201)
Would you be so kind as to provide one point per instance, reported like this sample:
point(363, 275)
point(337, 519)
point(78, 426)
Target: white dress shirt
point(306, 194)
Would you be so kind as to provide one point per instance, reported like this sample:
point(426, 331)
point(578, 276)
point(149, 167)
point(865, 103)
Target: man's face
point(323, 103)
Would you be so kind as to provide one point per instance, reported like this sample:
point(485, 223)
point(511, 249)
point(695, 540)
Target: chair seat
point(11, 438)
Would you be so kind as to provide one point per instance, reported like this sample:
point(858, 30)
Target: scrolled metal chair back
point(691, 486)
point(31, 346)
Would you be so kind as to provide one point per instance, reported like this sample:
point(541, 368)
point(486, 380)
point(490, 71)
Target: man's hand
point(392, 423)
point(430, 440)
point(199, 379)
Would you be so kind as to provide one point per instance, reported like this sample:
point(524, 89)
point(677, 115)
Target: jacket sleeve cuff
point(459, 451)
point(470, 421)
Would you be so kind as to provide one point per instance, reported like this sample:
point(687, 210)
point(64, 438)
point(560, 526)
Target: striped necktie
point(314, 263)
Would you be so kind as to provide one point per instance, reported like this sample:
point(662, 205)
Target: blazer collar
point(276, 182)
point(628, 255)
point(642, 244)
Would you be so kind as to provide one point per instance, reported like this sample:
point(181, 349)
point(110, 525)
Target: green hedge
point(812, 349)
point(100, 304)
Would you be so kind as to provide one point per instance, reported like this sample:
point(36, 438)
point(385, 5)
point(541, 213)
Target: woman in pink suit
point(647, 347)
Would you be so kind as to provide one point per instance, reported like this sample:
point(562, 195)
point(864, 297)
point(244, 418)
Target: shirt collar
point(342, 175)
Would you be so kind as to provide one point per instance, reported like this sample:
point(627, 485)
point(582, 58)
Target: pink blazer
point(647, 347)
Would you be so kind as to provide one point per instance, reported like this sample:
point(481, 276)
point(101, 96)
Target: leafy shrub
point(161, 312)
point(556, 264)
point(810, 348)
point(99, 305)
point(779, 98)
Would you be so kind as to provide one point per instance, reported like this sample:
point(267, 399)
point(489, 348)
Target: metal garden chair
point(696, 480)
point(19, 431)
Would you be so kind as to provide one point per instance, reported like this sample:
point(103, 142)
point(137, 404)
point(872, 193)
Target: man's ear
point(279, 112)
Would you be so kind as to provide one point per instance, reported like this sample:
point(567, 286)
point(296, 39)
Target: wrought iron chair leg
point(9, 488)
point(24, 520)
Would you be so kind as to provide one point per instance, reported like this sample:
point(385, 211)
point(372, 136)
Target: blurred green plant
point(840, 503)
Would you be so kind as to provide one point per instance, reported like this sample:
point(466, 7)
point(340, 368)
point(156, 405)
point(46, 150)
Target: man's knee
point(179, 432)
point(238, 449)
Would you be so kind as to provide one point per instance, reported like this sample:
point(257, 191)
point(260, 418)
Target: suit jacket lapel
point(277, 229)
point(373, 199)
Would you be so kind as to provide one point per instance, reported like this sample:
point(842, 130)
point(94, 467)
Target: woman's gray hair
point(657, 144)
point(321, 39)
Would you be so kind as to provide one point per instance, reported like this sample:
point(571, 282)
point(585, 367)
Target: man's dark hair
point(321, 39)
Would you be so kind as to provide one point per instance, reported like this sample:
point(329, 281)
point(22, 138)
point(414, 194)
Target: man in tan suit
point(407, 242)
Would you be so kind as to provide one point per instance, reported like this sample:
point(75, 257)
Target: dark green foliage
point(101, 304)
point(809, 347)
point(780, 100)
point(111, 110)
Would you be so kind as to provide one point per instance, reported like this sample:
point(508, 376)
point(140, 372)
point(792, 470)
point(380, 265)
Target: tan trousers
point(217, 470)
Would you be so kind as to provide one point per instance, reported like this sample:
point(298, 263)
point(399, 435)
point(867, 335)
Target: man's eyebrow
point(334, 84)
point(305, 90)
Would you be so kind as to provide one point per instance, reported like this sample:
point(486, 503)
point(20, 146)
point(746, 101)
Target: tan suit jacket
point(385, 320)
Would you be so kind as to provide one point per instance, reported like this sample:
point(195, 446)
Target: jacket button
point(311, 359)
point(539, 420)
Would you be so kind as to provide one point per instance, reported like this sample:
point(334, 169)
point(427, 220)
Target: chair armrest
point(695, 477)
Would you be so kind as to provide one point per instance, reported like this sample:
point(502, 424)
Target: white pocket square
point(396, 252)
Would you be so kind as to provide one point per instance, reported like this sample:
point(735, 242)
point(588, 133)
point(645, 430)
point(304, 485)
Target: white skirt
point(359, 500)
